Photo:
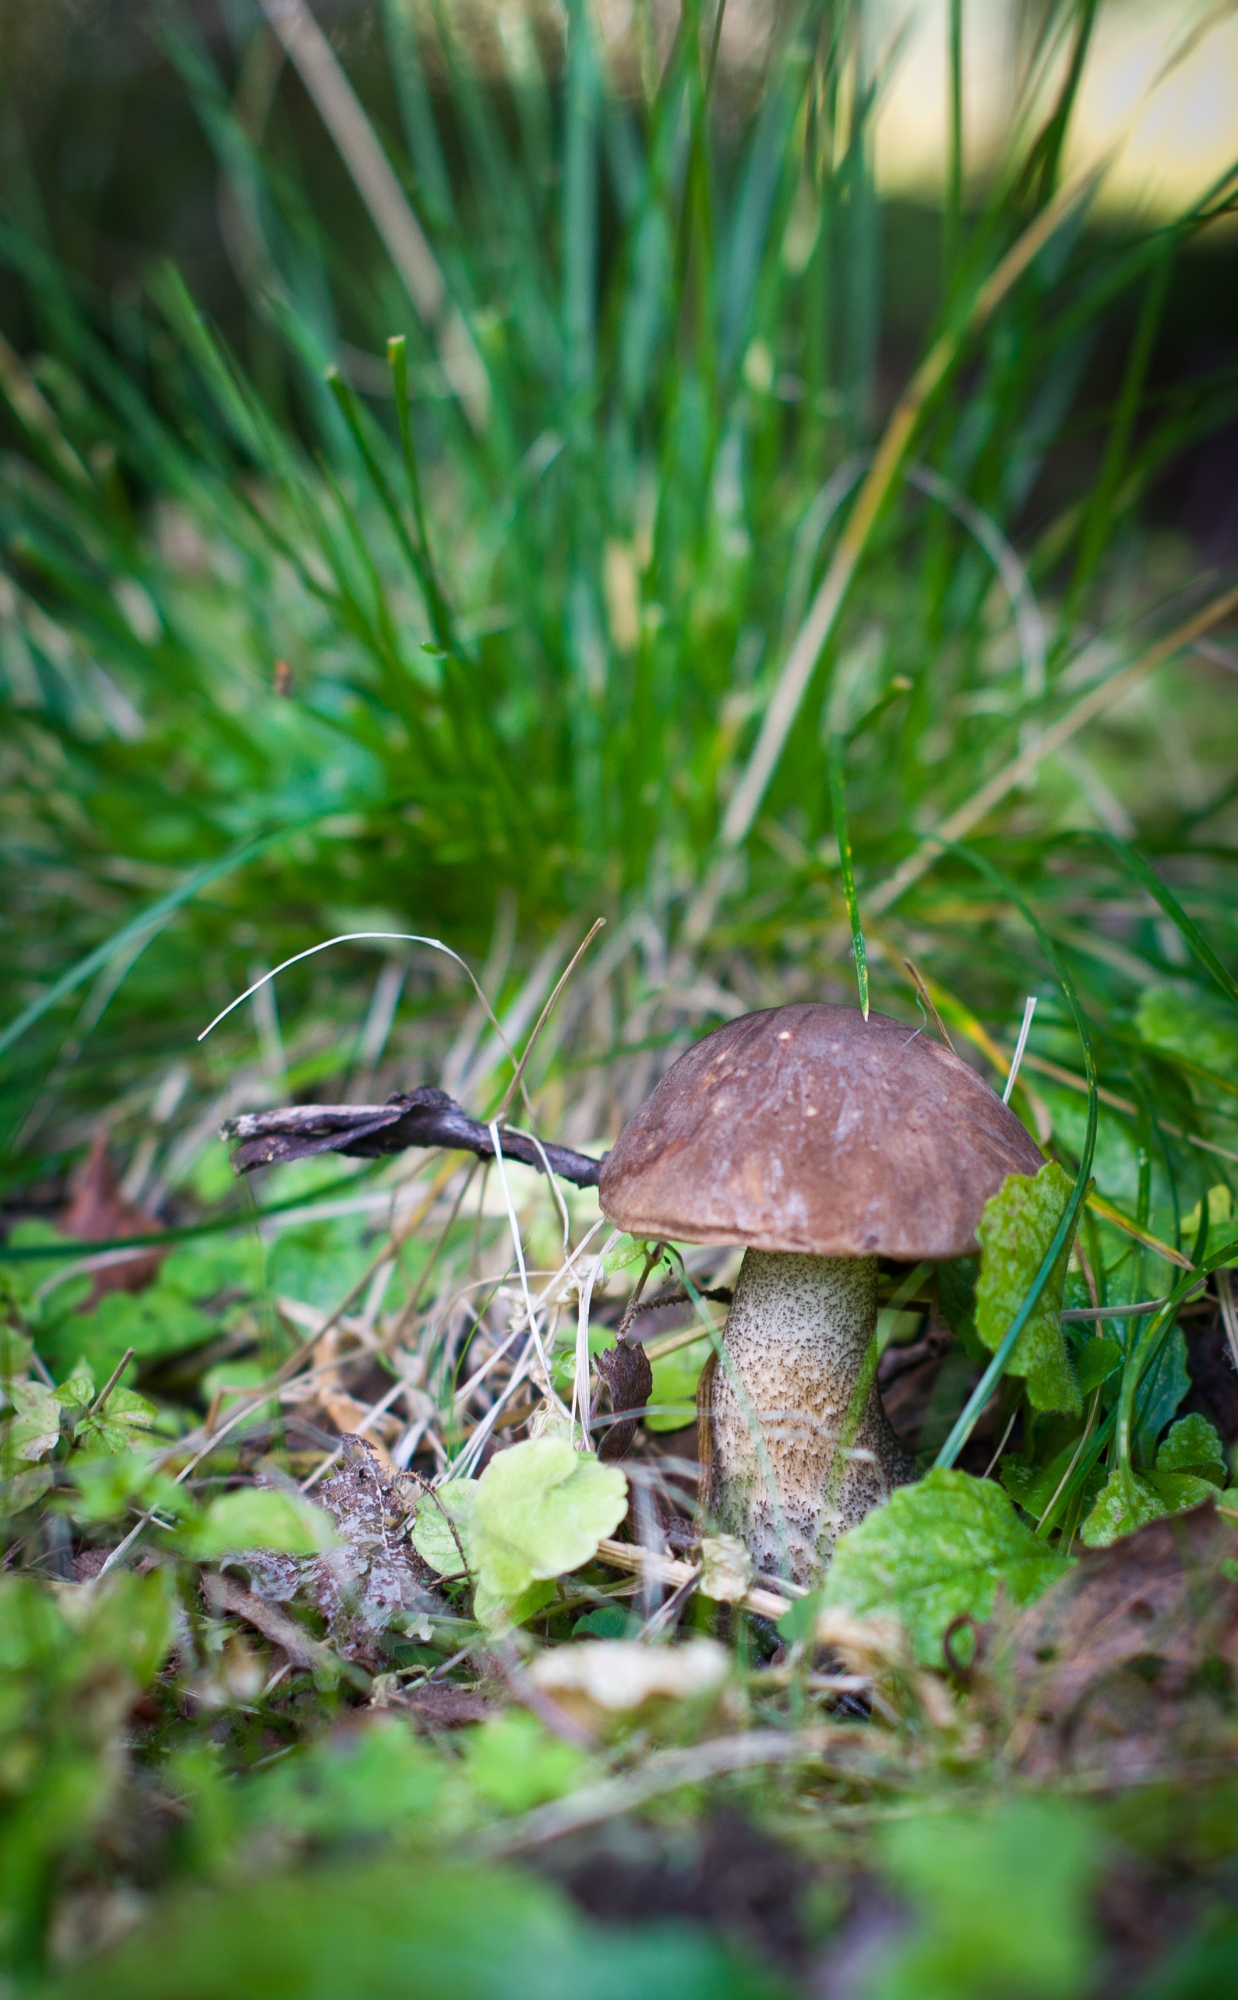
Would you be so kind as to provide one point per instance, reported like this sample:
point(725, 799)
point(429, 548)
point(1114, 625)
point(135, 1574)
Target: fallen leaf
point(1124, 1665)
point(628, 1375)
point(96, 1213)
point(726, 1569)
point(374, 1583)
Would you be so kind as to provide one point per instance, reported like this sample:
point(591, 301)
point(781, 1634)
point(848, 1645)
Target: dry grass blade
point(544, 1016)
point(960, 822)
point(798, 670)
point(399, 228)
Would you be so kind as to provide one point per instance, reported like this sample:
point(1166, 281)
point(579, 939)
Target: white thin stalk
point(1029, 1009)
point(580, 1379)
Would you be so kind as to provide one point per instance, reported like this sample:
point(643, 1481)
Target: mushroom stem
point(799, 1345)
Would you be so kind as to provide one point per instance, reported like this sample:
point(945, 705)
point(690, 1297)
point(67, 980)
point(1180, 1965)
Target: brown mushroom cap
point(807, 1128)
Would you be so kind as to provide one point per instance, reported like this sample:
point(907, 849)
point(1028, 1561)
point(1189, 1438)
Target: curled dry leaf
point(606, 1679)
point(726, 1569)
point(628, 1375)
point(1125, 1666)
point(97, 1212)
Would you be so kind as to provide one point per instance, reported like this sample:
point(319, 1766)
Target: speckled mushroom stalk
point(820, 1141)
point(800, 1445)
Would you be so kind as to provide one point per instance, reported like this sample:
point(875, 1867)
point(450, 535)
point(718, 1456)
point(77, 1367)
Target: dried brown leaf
point(1129, 1664)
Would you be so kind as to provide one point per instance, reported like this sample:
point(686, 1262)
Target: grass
point(574, 558)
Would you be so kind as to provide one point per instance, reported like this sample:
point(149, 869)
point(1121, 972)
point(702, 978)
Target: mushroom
point(820, 1142)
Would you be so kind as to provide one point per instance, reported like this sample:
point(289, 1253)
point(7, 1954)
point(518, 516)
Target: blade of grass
point(836, 758)
point(961, 822)
point(992, 1375)
point(798, 668)
point(152, 920)
point(410, 252)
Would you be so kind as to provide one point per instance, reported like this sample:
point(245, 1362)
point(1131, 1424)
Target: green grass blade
point(836, 761)
point(151, 920)
point(992, 1375)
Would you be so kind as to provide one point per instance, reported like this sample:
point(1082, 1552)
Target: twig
point(100, 1401)
point(223, 1593)
point(426, 1116)
point(666, 1569)
point(666, 1771)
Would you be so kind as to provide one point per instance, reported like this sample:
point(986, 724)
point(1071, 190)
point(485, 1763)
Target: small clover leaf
point(540, 1510)
point(443, 1526)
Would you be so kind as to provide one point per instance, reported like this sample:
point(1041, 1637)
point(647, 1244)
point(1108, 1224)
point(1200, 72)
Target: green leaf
point(496, 1610)
point(1014, 1232)
point(154, 1323)
point(1199, 1026)
point(1166, 1381)
point(934, 1552)
point(34, 1428)
point(384, 1927)
point(1033, 1486)
point(515, 1763)
point(437, 1513)
point(16, 1349)
point(1125, 1502)
point(360, 1782)
point(607, 1621)
point(957, 1286)
point(999, 1898)
point(116, 1426)
point(540, 1510)
point(24, 1489)
point(675, 1379)
point(1180, 1490)
point(1095, 1362)
point(1192, 1445)
point(109, 1486)
point(259, 1518)
point(131, 1620)
point(629, 1250)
